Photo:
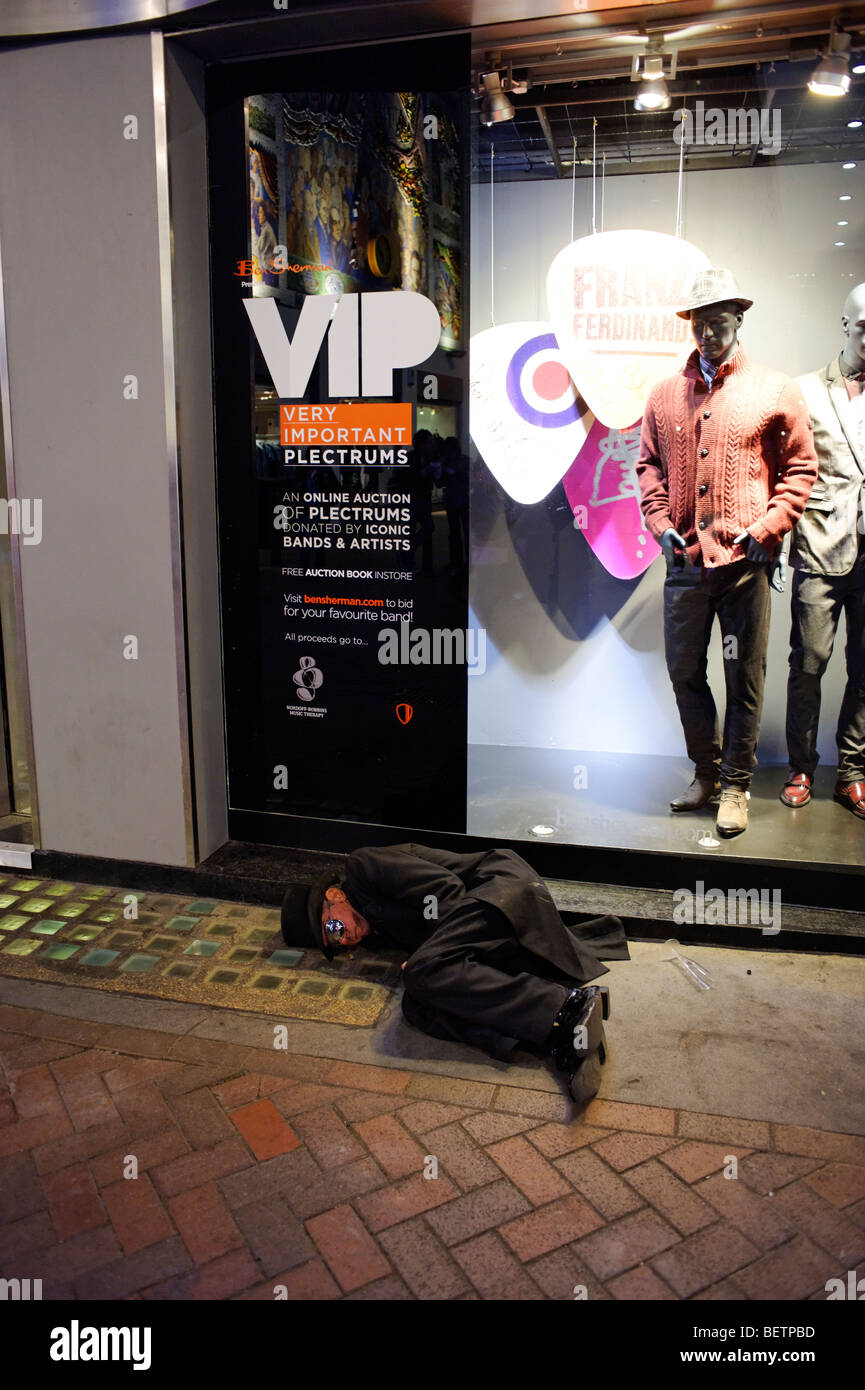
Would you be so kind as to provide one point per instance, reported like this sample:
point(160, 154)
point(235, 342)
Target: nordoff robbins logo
point(752, 125)
point(77, 1343)
point(308, 679)
point(443, 646)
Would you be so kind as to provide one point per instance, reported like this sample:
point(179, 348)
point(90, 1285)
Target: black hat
point(301, 912)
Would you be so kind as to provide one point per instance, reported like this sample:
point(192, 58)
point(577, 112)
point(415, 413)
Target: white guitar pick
point(613, 299)
point(527, 421)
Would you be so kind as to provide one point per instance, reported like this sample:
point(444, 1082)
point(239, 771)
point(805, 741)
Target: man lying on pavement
point(491, 964)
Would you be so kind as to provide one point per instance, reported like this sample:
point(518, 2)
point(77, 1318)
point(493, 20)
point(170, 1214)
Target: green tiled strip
point(203, 951)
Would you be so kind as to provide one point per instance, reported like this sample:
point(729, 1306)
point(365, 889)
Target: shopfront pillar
point(103, 237)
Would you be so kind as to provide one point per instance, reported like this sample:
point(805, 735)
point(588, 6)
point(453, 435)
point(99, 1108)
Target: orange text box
point(346, 424)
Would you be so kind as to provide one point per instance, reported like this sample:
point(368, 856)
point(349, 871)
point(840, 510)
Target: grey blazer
point(826, 538)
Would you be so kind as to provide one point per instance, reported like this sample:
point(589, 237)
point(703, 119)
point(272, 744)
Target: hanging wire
point(603, 185)
point(681, 177)
point(492, 244)
point(594, 167)
point(573, 186)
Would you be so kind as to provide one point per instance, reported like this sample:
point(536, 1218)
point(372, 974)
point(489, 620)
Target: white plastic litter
point(698, 974)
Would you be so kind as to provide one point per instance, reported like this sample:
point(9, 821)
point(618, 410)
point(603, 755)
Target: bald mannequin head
point(853, 323)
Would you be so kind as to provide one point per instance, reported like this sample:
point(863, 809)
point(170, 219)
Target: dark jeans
point(738, 595)
point(816, 608)
point(473, 982)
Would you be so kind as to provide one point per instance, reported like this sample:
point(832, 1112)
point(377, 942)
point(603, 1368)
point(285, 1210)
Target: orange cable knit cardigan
point(716, 463)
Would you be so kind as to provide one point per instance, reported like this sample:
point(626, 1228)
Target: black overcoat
point(407, 892)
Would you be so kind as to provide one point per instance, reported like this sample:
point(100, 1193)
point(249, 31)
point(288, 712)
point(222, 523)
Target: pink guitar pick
point(601, 486)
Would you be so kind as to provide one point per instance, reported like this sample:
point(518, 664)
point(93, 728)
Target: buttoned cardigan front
point(715, 462)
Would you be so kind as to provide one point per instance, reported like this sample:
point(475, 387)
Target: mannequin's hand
point(778, 572)
point(753, 549)
point(673, 546)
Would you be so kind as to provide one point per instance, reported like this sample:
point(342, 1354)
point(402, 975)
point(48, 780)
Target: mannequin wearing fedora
point(490, 961)
point(726, 466)
point(827, 553)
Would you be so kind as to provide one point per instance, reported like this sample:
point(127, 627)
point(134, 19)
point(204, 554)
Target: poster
point(373, 195)
point(358, 606)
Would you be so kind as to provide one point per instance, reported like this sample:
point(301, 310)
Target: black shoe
point(586, 1080)
point(578, 1031)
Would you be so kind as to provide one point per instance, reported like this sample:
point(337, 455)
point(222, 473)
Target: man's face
point(337, 907)
point(853, 323)
point(714, 329)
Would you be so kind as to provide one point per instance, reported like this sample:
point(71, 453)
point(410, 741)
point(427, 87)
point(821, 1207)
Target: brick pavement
point(138, 1164)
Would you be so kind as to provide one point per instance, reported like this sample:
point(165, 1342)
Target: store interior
point(573, 730)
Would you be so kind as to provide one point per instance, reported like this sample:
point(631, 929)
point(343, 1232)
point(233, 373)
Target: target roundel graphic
point(539, 385)
point(527, 420)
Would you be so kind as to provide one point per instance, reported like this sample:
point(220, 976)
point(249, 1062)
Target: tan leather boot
point(701, 791)
point(732, 812)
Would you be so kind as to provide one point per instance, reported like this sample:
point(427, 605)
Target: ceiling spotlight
point(850, 164)
point(844, 197)
point(831, 77)
point(859, 68)
point(842, 223)
point(495, 106)
point(853, 125)
point(652, 94)
point(840, 243)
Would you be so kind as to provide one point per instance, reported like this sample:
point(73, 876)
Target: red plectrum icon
point(404, 713)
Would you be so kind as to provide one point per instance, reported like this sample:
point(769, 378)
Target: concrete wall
point(86, 259)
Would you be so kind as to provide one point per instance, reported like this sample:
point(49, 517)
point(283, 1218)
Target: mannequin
point(726, 466)
point(827, 551)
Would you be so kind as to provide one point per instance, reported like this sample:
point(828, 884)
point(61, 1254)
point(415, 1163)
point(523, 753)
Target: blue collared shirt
point(708, 370)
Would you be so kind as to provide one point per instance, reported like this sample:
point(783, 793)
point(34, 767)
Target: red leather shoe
point(852, 796)
point(797, 789)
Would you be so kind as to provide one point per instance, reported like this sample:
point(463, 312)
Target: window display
point(572, 735)
point(518, 529)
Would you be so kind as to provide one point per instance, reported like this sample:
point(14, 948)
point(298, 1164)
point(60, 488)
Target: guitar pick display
point(613, 299)
point(526, 419)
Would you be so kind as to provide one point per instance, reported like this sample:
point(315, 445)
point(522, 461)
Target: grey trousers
point(817, 603)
